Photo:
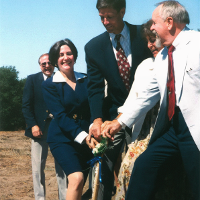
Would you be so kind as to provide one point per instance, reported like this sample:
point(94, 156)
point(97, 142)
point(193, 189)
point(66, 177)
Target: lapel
point(40, 77)
point(133, 35)
point(181, 63)
point(134, 45)
point(39, 81)
point(111, 60)
point(112, 71)
point(181, 72)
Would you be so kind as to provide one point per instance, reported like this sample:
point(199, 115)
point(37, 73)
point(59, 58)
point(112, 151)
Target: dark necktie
point(171, 84)
point(123, 64)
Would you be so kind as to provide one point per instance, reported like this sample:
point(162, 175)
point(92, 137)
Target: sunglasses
point(45, 63)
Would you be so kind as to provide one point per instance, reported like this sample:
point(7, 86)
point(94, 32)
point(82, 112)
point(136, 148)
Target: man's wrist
point(98, 120)
point(121, 123)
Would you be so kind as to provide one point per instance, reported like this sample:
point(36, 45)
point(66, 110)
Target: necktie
point(123, 64)
point(171, 84)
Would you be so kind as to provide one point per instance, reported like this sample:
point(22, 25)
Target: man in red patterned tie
point(103, 64)
point(176, 84)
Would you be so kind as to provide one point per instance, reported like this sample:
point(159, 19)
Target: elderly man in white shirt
point(177, 129)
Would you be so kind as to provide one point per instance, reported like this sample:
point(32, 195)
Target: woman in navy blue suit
point(66, 97)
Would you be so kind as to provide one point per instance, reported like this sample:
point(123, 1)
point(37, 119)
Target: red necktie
point(123, 64)
point(171, 84)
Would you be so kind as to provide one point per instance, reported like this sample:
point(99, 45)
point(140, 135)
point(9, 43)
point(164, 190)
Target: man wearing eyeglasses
point(37, 119)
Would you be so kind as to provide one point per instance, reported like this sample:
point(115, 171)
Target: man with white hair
point(177, 85)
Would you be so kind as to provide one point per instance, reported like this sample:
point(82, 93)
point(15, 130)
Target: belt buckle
point(75, 116)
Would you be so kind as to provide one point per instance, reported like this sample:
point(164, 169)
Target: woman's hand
point(91, 142)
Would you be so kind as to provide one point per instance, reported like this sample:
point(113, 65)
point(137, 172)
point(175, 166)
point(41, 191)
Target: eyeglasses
point(45, 63)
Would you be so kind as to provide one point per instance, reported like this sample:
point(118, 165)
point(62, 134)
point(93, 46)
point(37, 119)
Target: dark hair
point(55, 50)
point(115, 4)
point(175, 10)
point(44, 54)
point(145, 29)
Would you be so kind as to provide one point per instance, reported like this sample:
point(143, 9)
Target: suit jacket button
point(47, 111)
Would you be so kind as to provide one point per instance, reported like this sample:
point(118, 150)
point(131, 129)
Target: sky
point(28, 28)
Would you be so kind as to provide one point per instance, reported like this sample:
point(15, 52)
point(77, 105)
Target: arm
point(28, 108)
point(134, 109)
point(70, 128)
point(96, 87)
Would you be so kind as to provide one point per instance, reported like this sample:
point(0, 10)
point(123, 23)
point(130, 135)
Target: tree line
point(11, 91)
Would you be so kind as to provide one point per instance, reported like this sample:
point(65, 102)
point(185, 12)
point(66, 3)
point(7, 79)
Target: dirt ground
point(15, 169)
point(16, 175)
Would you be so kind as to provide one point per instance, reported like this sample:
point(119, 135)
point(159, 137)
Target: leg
point(39, 152)
point(190, 156)
point(147, 167)
point(72, 158)
point(61, 180)
point(88, 193)
point(108, 162)
point(75, 186)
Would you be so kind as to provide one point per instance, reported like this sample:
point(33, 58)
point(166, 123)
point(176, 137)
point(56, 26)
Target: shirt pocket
point(194, 74)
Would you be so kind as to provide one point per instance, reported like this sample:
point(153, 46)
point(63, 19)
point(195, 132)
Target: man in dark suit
point(37, 119)
point(104, 63)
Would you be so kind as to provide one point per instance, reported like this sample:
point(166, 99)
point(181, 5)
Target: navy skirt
point(71, 156)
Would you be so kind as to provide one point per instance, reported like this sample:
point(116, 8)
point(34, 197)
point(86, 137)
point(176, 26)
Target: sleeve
point(28, 103)
point(69, 127)
point(149, 96)
point(96, 85)
point(133, 94)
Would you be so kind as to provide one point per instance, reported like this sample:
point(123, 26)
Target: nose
point(66, 56)
point(152, 27)
point(149, 45)
point(105, 21)
point(47, 64)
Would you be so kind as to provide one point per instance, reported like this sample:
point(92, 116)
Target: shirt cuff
point(90, 126)
point(81, 137)
point(122, 124)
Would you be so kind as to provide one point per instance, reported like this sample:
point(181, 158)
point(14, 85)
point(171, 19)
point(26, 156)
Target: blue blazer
point(65, 104)
point(102, 64)
point(33, 106)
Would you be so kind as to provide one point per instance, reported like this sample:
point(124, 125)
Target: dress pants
point(176, 141)
point(108, 163)
point(39, 152)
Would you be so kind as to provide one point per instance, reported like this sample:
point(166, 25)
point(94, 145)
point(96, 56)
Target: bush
point(11, 91)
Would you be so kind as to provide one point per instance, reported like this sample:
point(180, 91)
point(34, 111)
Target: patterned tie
point(171, 84)
point(123, 64)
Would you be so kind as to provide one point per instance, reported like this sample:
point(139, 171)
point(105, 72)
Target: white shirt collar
point(58, 77)
point(45, 76)
point(124, 33)
point(180, 37)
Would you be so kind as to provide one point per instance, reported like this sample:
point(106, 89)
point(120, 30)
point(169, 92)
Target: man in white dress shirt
point(177, 129)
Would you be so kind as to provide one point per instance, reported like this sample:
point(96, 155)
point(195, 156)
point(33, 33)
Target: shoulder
point(97, 41)
point(146, 62)
point(193, 35)
point(145, 65)
point(135, 30)
point(49, 83)
point(80, 75)
point(33, 76)
point(132, 26)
